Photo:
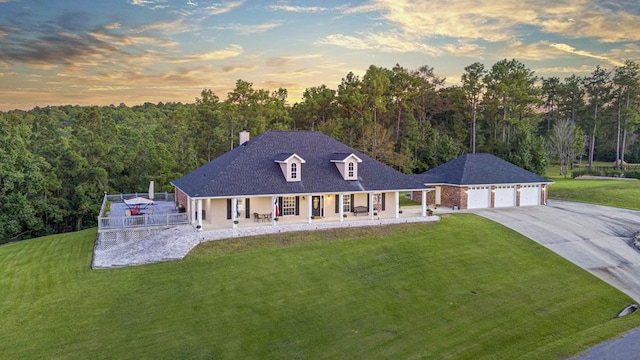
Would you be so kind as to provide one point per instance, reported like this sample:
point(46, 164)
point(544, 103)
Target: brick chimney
point(243, 136)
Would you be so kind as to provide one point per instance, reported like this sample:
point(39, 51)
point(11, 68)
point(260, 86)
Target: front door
point(316, 206)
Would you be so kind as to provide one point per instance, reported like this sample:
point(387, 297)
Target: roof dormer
point(347, 164)
point(291, 166)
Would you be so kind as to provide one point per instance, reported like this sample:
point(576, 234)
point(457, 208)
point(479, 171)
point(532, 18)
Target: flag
point(379, 203)
point(275, 206)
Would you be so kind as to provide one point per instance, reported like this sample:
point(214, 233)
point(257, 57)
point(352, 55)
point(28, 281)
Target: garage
point(478, 197)
point(483, 181)
point(529, 195)
point(505, 196)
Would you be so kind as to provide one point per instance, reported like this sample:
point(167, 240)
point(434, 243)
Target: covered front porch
point(277, 210)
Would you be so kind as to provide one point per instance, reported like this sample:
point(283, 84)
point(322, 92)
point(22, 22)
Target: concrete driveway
point(596, 238)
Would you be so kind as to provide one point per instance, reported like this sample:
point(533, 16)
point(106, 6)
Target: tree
point(627, 82)
point(562, 142)
point(376, 87)
point(473, 87)
point(510, 84)
point(550, 88)
point(318, 104)
point(598, 89)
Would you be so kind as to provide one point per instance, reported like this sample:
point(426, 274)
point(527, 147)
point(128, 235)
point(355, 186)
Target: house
point(476, 181)
point(292, 175)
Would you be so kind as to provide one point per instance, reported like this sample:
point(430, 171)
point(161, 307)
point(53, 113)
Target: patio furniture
point(360, 210)
point(138, 201)
point(256, 217)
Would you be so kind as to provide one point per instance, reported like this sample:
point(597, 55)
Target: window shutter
point(280, 205)
point(368, 201)
point(383, 201)
point(297, 204)
point(247, 210)
point(228, 209)
point(352, 203)
point(337, 205)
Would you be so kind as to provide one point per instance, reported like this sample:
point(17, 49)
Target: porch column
point(192, 209)
point(234, 212)
point(274, 203)
point(371, 205)
point(199, 210)
point(340, 201)
point(424, 202)
point(397, 198)
point(309, 209)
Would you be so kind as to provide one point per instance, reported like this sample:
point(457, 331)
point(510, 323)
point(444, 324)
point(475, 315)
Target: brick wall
point(181, 198)
point(417, 196)
point(453, 196)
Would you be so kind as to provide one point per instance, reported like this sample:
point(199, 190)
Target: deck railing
point(118, 198)
point(125, 222)
point(106, 222)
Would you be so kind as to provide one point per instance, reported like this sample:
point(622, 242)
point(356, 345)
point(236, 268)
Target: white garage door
point(529, 195)
point(478, 197)
point(505, 196)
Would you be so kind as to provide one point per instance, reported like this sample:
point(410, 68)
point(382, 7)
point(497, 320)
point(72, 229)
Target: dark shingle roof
point(250, 169)
point(476, 169)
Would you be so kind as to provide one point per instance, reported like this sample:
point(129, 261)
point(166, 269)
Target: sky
point(102, 52)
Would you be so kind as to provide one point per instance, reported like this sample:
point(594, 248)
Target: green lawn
point(617, 193)
point(463, 288)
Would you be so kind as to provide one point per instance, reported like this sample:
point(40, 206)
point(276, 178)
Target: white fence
point(118, 198)
point(125, 222)
point(106, 222)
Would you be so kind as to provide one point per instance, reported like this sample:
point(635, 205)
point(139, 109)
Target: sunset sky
point(136, 51)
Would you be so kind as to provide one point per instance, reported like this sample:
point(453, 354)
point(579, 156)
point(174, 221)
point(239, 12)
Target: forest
point(56, 162)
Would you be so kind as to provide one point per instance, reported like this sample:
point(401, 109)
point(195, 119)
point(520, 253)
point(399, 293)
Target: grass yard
point(464, 288)
point(617, 193)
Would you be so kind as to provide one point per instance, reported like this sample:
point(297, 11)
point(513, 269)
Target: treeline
point(57, 162)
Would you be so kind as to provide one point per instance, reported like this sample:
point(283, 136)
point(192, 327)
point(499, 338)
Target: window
point(294, 171)
point(351, 169)
point(346, 203)
point(288, 205)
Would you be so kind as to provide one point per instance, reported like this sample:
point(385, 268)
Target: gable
point(291, 166)
point(347, 165)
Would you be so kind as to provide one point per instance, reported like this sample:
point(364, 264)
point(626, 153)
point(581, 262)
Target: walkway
point(144, 246)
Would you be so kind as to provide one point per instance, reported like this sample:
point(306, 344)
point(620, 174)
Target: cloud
point(221, 8)
point(149, 3)
point(285, 60)
point(170, 27)
point(153, 4)
point(237, 67)
point(464, 48)
point(538, 51)
point(299, 9)
point(571, 50)
point(109, 88)
point(113, 26)
point(496, 21)
point(392, 42)
point(249, 29)
point(230, 51)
